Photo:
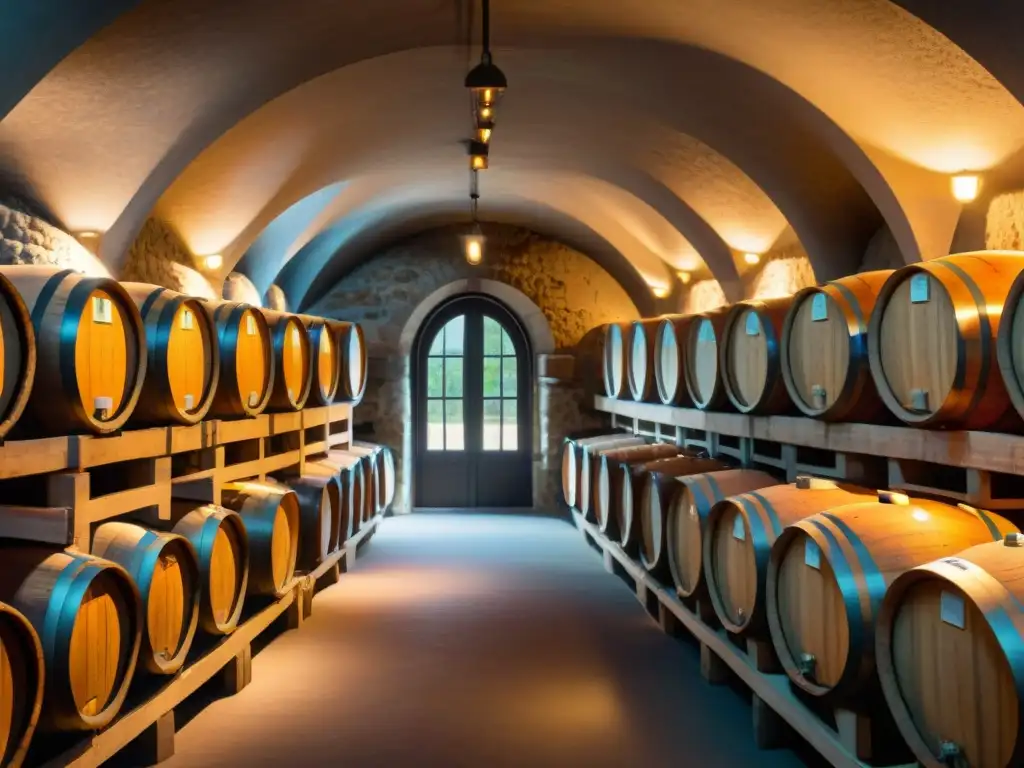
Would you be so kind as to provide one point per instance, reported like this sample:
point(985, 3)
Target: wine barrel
point(647, 515)
point(827, 575)
point(640, 360)
point(349, 471)
point(90, 351)
point(219, 539)
point(370, 454)
point(590, 463)
point(88, 616)
point(932, 341)
point(326, 361)
point(270, 513)
point(614, 353)
point(21, 685)
point(1010, 344)
point(950, 637)
point(825, 349)
point(183, 359)
point(165, 570)
point(387, 472)
point(17, 358)
point(738, 540)
point(670, 359)
point(701, 369)
point(293, 361)
point(246, 360)
point(686, 520)
point(319, 498)
point(607, 482)
point(572, 461)
point(750, 359)
point(351, 346)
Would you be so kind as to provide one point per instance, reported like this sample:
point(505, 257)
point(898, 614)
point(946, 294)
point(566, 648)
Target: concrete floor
point(465, 640)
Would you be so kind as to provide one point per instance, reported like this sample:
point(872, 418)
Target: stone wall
point(159, 256)
point(572, 292)
point(28, 238)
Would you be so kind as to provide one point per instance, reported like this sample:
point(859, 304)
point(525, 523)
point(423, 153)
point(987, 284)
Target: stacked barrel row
point(92, 355)
point(937, 344)
point(867, 597)
point(77, 631)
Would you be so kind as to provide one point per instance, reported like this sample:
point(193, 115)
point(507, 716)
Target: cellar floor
point(475, 640)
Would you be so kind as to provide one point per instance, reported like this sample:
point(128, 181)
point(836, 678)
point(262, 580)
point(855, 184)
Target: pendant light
point(486, 81)
point(474, 241)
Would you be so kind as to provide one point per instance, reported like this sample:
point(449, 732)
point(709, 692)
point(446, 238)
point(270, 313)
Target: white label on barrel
point(187, 322)
point(102, 310)
point(103, 405)
point(738, 531)
point(706, 333)
point(819, 311)
point(919, 288)
point(753, 324)
point(951, 609)
point(254, 399)
point(189, 402)
point(812, 554)
point(250, 325)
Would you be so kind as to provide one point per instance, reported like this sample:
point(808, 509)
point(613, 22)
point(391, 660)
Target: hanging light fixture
point(474, 241)
point(486, 81)
point(478, 152)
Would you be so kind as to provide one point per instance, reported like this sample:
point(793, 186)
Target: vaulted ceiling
point(297, 138)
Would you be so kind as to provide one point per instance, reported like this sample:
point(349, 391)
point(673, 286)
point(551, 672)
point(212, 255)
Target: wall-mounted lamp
point(685, 277)
point(661, 291)
point(752, 258)
point(213, 262)
point(478, 156)
point(965, 186)
point(89, 240)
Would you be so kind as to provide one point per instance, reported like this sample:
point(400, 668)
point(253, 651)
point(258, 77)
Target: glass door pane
point(446, 388)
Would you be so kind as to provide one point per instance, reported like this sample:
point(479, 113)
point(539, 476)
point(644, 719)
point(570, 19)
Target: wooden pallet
point(776, 708)
point(148, 729)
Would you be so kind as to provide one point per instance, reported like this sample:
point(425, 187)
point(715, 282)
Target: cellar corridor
point(473, 640)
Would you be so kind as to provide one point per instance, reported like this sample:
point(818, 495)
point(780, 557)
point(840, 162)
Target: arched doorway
point(472, 409)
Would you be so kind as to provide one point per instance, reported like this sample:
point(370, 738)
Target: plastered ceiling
point(670, 135)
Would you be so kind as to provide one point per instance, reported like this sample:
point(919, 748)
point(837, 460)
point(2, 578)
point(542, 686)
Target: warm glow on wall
point(89, 240)
point(685, 278)
point(213, 262)
point(966, 187)
point(752, 258)
point(661, 291)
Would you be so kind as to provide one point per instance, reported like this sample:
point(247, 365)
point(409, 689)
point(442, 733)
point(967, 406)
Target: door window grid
point(501, 425)
point(445, 417)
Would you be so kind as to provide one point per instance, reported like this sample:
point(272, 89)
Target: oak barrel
point(218, 536)
point(750, 356)
point(950, 654)
point(351, 346)
point(640, 360)
point(701, 369)
point(1010, 344)
point(293, 361)
point(270, 513)
point(17, 358)
point(738, 540)
point(387, 471)
point(349, 471)
point(327, 363)
point(572, 461)
point(165, 570)
point(21, 685)
point(319, 497)
point(827, 575)
point(607, 485)
point(932, 341)
point(645, 515)
point(670, 359)
point(90, 351)
point(686, 520)
point(590, 462)
point(246, 360)
point(88, 616)
point(825, 349)
point(613, 370)
point(183, 359)
point(370, 455)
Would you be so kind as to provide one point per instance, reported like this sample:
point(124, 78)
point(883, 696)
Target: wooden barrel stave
point(17, 357)
point(701, 367)
point(270, 513)
point(165, 570)
point(351, 345)
point(349, 471)
point(738, 539)
point(319, 498)
point(640, 361)
point(572, 457)
point(613, 369)
point(949, 648)
point(218, 536)
point(21, 685)
point(387, 471)
point(590, 462)
point(293, 361)
point(750, 357)
point(183, 358)
point(605, 484)
point(670, 359)
point(87, 613)
point(824, 351)
point(932, 341)
point(828, 573)
point(90, 351)
point(327, 363)
point(614, 520)
point(370, 454)
point(686, 520)
point(246, 360)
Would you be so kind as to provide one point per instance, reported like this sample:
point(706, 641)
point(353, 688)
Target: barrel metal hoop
point(984, 338)
point(713, 485)
point(43, 300)
point(984, 516)
point(151, 300)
